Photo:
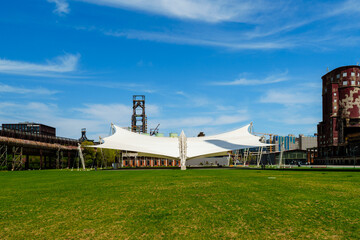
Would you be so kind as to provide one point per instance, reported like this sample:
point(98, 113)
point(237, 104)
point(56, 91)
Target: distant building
point(293, 157)
point(173, 135)
point(294, 148)
point(285, 143)
point(208, 161)
point(306, 142)
point(291, 142)
point(33, 128)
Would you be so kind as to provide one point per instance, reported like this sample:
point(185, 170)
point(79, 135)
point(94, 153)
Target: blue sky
point(205, 65)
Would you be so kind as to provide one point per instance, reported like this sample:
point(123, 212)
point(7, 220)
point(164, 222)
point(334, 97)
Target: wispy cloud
point(113, 112)
point(30, 111)
point(299, 119)
point(107, 112)
point(298, 115)
point(199, 10)
point(62, 6)
point(237, 44)
point(245, 24)
point(68, 122)
point(203, 121)
point(128, 86)
point(286, 111)
point(194, 100)
point(247, 82)
point(289, 97)
point(343, 7)
point(18, 90)
point(63, 64)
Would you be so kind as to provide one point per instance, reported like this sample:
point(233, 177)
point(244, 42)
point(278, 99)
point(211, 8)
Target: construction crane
point(270, 136)
point(155, 130)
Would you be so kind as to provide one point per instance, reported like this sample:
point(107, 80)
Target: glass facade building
point(33, 128)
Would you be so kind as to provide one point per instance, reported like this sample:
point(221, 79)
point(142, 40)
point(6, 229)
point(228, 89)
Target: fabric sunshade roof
point(126, 140)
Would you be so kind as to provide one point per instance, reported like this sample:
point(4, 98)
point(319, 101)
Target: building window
point(345, 74)
point(358, 74)
point(335, 107)
point(334, 93)
point(352, 74)
point(345, 83)
point(335, 100)
point(325, 90)
point(332, 79)
point(338, 76)
point(352, 82)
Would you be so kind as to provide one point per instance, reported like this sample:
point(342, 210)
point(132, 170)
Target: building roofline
point(340, 68)
point(33, 123)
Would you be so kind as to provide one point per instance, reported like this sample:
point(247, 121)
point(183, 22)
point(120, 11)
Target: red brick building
point(341, 114)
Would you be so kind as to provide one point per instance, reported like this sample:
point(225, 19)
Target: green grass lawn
point(174, 204)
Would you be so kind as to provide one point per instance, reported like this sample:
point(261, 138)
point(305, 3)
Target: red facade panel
point(350, 102)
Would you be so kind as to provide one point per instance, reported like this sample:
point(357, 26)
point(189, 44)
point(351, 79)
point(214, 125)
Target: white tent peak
point(182, 134)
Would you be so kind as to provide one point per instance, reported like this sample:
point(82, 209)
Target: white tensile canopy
point(181, 148)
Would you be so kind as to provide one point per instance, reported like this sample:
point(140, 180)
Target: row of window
point(346, 83)
point(322, 136)
point(344, 74)
point(324, 142)
point(353, 83)
point(21, 127)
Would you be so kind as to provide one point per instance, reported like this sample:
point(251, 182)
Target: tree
point(89, 153)
point(99, 158)
point(109, 155)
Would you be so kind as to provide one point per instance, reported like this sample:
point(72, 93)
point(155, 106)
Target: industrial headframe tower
point(139, 120)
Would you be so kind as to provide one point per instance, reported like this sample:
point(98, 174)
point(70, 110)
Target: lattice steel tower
point(139, 120)
point(83, 135)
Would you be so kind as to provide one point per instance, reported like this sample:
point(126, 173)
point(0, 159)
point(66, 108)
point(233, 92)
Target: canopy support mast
point(182, 150)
